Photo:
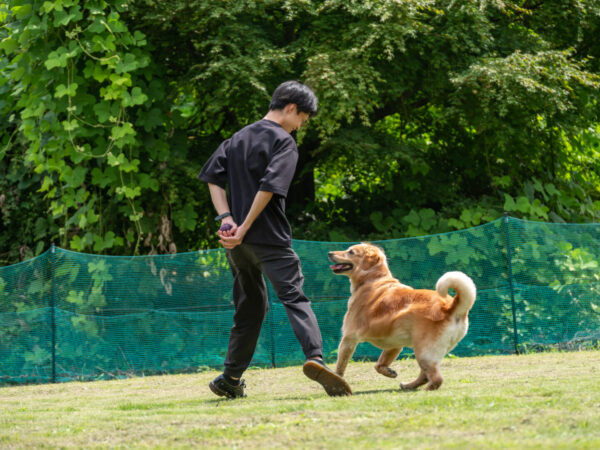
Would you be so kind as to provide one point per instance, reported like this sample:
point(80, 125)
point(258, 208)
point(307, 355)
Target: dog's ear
point(371, 258)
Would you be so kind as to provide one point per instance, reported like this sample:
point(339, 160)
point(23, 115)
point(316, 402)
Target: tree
point(443, 108)
point(433, 115)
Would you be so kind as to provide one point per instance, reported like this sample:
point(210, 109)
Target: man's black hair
point(294, 92)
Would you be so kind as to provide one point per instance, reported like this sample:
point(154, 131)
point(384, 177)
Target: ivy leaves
point(86, 82)
point(60, 56)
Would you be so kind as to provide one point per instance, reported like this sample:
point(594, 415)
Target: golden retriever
point(391, 315)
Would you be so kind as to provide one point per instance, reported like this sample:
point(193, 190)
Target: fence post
point(510, 282)
point(272, 333)
point(53, 307)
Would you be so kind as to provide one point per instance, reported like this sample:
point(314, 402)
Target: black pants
point(281, 265)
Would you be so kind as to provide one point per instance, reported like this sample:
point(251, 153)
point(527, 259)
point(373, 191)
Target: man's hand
point(225, 233)
point(233, 237)
point(227, 227)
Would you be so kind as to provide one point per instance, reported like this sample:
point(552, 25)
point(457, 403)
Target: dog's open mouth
point(342, 267)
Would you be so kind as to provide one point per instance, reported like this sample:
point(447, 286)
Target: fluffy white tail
point(464, 287)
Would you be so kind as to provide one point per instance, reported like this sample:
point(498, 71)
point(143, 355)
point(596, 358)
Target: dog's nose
point(330, 253)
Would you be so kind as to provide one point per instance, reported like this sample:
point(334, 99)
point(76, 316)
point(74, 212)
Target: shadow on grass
point(355, 394)
point(381, 391)
point(218, 400)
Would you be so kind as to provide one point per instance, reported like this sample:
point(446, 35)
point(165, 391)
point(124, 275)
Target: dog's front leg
point(345, 352)
point(385, 360)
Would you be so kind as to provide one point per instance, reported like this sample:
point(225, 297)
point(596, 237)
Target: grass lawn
point(545, 400)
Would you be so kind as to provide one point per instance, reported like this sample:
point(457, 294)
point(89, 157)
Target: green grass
point(546, 400)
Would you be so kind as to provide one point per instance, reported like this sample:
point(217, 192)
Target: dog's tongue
point(336, 266)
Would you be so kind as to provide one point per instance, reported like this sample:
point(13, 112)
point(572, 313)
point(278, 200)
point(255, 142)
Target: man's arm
point(261, 199)
point(236, 235)
point(219, 198)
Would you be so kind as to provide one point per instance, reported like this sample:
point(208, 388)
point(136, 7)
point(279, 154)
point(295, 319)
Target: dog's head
point(358, 259)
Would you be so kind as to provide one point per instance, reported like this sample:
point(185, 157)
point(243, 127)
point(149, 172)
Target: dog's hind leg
point(386, 358)
point(429, 358)
point(345, 352)
point(419, 381)
point(430, 371)
point(435, 377)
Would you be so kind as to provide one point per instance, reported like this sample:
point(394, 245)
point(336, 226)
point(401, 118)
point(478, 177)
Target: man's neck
point(277, 117)
point(274, 116)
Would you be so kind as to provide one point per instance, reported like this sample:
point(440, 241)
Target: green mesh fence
point(66, 315)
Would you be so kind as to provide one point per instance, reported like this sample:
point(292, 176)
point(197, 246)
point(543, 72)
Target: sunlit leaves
point(433, 116)
point(89, 92)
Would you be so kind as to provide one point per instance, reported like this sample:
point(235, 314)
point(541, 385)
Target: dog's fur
point(391, 315)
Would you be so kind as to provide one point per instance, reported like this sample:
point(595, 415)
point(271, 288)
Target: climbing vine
point(89, 106)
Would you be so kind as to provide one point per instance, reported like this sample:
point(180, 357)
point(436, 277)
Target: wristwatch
point(222, 216)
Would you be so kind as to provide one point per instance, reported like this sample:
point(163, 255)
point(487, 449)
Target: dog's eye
point(351, 252)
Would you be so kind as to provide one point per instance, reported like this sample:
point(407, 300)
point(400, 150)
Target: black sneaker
point(223, 388)
point(333, 384)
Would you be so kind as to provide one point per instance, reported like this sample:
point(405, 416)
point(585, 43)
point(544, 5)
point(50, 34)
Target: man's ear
point(290, 108)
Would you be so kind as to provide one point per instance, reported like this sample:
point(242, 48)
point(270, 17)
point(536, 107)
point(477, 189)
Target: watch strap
point(222, 216)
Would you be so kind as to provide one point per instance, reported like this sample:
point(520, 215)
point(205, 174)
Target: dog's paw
point(386, 372)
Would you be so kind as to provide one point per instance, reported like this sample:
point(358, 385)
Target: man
point(257, 164)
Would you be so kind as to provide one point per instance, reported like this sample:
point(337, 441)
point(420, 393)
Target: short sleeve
point(215, 169)
point(280, 171)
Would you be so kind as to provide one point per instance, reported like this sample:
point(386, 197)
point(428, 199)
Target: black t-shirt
point(259, 157)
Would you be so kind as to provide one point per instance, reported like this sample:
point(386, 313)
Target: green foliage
point(496, 103)
point(434, 116)
point(90, 127)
